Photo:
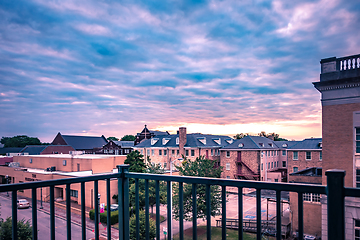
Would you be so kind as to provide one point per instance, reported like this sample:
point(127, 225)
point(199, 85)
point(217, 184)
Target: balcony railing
point(335, 191)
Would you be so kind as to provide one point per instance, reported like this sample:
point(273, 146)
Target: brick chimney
point(182, 140)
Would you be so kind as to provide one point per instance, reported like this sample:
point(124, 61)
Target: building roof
point(286, 144)
point(159, 133)
point(84, 142)
point(314, 171)
point(10, 150)
point(124, 144)
point(33, 149)
point(308, 144)
point(192, 140)
point(253, 142)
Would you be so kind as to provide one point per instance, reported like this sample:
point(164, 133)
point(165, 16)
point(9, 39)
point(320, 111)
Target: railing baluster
point(137, 210)
point(108, 209)
point(96, 203)
point(181, 210)
point(258, 214)
point(169, 223)
point(14, 214)
point(68, 212)
point(123, 199)
point(34, 213)
point(52, 213)
point(194, 211)
point(147, 224)
point(223, 202)
point(208, 212)
point(83, 219)
point(157, 190)
point(278, 215)
point(240, 213)
point(300, 215)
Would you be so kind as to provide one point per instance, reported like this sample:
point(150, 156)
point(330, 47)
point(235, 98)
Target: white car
point(23, 203)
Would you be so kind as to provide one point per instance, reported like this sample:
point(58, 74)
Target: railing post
point(123, 201)
point(335, 204)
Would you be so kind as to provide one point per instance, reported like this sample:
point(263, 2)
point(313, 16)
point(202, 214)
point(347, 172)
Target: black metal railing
point(335, 191)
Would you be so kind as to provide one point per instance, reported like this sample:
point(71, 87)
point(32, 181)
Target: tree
point(153, 168)
point(241, 135)
point(112, 138)
point(136, 162)
point(142, 233)
point(201, 167)
point(19, 141)
point(128, 138)
point(272, 136)
point(24, 230)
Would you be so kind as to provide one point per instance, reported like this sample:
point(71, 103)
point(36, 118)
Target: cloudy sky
point(221, 67)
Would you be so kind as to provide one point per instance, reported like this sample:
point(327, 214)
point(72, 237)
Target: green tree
point(128, 138)
point(201, 167)
point(24, 230)
point(142, 233)
point(241, 135)
point(153, 168)
point(19, 141)
point(136, 162)
point(112, 138)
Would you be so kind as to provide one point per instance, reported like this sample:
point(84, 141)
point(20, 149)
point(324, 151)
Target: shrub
point(114, 216)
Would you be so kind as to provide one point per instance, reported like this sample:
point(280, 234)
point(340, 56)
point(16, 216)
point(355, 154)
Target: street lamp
point(99, 205)
point(41, 206)
point(7, 182)
point(171, 210)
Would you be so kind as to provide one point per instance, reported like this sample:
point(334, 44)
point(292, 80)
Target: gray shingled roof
point(286, 144)
point(192, 140)
point(84, 142)
point(124, 144)
point(33, 149)
point(10, 150)
point(159, 133)
point(314, 171)
point(253, 142)
point(307, 144)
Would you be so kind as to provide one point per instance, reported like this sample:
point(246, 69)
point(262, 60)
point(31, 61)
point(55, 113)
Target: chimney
point(182, 140)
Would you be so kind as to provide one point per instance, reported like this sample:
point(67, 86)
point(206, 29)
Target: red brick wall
point(302, 163)
point(250, 158)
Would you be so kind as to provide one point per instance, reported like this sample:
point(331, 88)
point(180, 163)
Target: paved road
point(43, 222)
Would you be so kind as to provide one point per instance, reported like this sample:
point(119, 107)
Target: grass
point(216, 234)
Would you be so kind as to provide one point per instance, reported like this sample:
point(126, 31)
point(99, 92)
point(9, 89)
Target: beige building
point(58, 166)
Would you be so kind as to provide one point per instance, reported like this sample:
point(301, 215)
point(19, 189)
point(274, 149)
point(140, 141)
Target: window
point(283, 152)
point(320, 157)
point(296, 156)
point(268, 165)
point(272, 165)
point(152, 152)
point(187, 152)
point(173, 152)
point(262, 166)
point(165, 164)
point(73, 193)
point(177, 152)
point(78, 167)
point(212, 152)
point(358, 177)
point(192, 153)
point(127, 151)
point(357, 229)
point(295, 169)
point(276, 180)
point(177, 141)
point(284, 164)
point(357, 140)
point(64, 162)
point(308, 155)
point(141, 151)
point(160, 152)
point(227, 153)
point(148, 152)
point(227, 177)
point(30, 160)
point(165, 152)
point(228, 166)
point(311, 197)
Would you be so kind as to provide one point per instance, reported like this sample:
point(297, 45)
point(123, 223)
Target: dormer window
point(217, 140)
point(320, 144)
point(202, 140)
point(270, 144)
point(229, 141)
point(177, 141)
point(261, 144)
point(241, 145)
point(284, 145)
point(165, 141)
point(154, 140)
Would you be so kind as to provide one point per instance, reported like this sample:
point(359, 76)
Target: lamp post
point(99, 205)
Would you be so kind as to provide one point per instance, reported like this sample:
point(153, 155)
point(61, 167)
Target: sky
point(108, 68)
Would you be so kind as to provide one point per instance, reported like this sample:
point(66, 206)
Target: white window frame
point(306, 155)
point(227, 154)
point(297, 155)
point(311, 197)
point(228, 166)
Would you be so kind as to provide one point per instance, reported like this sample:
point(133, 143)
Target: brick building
point(339, 86)
point(163, 149)
point(118, 147)
point(147, 134)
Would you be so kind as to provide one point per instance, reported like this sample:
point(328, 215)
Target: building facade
point(118, 147)
point(339, 86)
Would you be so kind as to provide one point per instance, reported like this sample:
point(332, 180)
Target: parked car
point(114, 207)
point(23, 203)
